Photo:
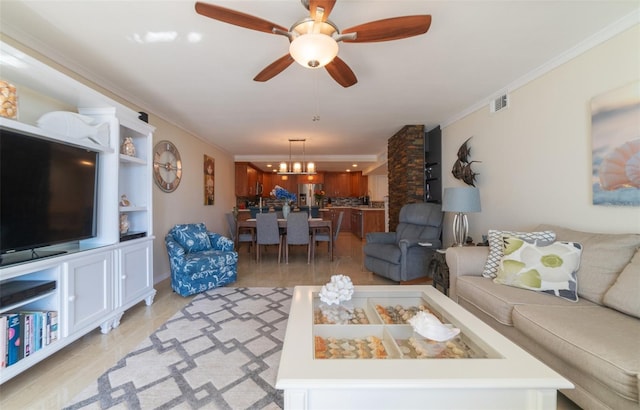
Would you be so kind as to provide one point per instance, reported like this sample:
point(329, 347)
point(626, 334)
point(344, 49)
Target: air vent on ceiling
point(499, 103)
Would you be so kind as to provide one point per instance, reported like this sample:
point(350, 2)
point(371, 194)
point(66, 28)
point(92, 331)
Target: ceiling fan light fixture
point(313, 50)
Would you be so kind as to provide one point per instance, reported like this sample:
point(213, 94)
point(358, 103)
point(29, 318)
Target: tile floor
point(56, 380)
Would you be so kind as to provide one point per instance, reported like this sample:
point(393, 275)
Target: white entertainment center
point(97, 279)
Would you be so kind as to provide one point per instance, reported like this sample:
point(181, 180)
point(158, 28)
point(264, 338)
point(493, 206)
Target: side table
point(439, 271)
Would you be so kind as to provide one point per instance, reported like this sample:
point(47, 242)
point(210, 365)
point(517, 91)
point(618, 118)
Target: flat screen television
point(48, 193)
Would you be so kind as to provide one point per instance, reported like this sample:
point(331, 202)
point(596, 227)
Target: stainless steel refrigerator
point(305, 194)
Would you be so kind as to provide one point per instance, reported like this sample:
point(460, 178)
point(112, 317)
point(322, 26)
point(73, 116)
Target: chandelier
point(297, 167)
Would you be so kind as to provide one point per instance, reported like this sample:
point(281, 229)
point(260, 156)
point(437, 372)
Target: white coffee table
point(501, 376)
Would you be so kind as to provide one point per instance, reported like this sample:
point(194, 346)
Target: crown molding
point(596, 39)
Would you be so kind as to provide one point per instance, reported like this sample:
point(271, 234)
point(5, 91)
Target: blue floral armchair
point(200, 260)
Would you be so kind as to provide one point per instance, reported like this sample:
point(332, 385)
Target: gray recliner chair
point(398, 255)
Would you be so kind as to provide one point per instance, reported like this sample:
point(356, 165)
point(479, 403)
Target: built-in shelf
point(133, 209)
point(132, 160)
point(432, 166)
point(99, 278)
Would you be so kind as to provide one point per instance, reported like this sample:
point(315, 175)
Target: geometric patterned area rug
point(221, 351)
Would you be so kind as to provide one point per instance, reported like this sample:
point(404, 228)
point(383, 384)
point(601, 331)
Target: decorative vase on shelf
point(285, 210)
point(128, 148)
point(124, 224)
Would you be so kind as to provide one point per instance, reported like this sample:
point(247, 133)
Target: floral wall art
point(615, 130)
point(209, 179)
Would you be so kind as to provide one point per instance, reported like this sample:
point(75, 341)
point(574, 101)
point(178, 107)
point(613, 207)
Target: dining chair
point(297, 233)
point(245, 235)
point(321, 235)
point(267, 232)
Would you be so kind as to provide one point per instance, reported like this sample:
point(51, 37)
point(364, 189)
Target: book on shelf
point(3, 341)
point(14, 349)
point(52, 324)
point(24, 333)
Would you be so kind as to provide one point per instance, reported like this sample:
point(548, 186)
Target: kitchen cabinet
point(366, 220)
point(359, 184)
point(288, 182)
point(267, 183)
point(318, 178)
point(333, 214)
point(356, 222)
point(271, 179)
point(337, 184)
point(372, 221)
point(246, 179)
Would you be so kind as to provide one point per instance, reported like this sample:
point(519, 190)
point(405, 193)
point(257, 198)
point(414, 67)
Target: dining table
point(314, 224)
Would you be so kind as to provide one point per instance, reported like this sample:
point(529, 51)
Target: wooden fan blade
point(340, 71)
point(274, 68)
point(394, 28)
point(327, 5)
point(236, 18)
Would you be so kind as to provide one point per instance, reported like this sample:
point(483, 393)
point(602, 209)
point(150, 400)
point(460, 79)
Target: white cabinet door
point(89, 291)
point(135, 273)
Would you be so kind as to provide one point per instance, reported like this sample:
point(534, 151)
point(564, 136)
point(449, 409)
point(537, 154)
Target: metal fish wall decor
point(462, 167)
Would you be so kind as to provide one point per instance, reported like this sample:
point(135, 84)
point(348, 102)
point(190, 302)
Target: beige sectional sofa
point(594, 342)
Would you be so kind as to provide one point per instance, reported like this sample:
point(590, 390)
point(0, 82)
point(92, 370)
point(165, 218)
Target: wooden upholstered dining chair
point(243, 236)
point(323, 236)
point(298, 233)
point(267, 232)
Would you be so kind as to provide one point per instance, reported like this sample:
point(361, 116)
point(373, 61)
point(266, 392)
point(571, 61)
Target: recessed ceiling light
point(155, 37)
point(194, 37)
point(268, 165)
point(348, 170)
point(355, 165)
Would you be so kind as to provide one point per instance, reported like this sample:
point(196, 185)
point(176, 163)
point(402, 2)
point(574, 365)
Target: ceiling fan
point(314, 39)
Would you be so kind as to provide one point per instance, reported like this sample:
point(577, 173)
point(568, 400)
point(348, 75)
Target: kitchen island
point(358, 220)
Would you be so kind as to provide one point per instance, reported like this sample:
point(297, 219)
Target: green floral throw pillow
point(496, 244)
point(550, 268)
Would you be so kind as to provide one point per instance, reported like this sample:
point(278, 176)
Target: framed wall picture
point(209, 180)
point(615, 116)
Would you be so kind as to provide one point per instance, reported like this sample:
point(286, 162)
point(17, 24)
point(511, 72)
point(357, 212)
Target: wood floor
point(53, 382)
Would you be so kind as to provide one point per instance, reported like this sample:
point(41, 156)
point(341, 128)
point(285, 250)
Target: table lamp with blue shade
point(461, 200)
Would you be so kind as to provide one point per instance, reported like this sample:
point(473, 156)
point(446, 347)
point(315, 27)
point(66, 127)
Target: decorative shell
point(621, 167)
point(427, 325)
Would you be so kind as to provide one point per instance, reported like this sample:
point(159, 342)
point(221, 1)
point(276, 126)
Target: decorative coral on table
point(339, 289)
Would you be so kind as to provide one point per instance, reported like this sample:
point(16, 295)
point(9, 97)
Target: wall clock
point(167, 166)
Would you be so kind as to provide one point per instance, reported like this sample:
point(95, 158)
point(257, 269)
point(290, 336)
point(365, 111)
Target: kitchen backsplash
point(346, 201)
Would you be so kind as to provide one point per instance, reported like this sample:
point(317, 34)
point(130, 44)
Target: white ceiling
point(473, 51)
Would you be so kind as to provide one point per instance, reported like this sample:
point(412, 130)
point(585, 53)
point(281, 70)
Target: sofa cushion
point(496, 246)
point(192, 237)
point(550, 268)
point(604, 256)
point(624, 295)
point(597, 340)
point(498, 301)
